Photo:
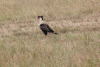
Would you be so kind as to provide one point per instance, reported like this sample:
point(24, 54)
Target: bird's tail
point(55, 33)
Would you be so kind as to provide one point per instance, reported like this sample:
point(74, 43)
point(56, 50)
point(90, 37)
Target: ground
point(23, 44)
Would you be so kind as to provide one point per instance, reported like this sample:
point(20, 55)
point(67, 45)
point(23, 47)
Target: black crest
point(40, 17)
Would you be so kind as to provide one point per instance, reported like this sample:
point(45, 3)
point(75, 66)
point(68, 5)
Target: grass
point(53, 10)
point(22, 43)
point(69, 49)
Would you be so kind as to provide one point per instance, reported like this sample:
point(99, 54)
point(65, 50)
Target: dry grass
point(52, 10)
point(22, 44)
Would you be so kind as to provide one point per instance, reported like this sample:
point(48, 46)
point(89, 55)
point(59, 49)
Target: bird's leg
point(45, 36)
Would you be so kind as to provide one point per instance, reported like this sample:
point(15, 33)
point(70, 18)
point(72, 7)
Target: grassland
point(22, 43)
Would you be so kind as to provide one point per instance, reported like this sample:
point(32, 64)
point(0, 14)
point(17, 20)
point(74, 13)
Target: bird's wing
point(46, 27)
point(45, 32)
point(50, 30)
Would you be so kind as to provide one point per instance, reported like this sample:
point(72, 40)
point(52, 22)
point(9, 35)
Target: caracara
point(45, 27)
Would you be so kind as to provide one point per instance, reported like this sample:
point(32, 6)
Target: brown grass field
point(22, 43)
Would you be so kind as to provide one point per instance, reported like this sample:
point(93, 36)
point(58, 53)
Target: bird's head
point(40, 17)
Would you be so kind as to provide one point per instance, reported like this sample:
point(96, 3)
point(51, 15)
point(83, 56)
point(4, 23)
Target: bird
point(45, 27)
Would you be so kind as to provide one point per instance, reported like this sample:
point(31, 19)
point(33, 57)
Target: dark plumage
point(44, 27)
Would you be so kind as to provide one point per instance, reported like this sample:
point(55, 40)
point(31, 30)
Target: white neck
point(41, 21)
